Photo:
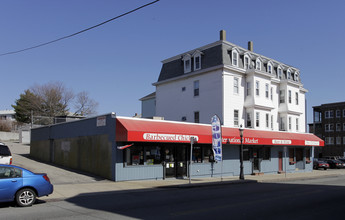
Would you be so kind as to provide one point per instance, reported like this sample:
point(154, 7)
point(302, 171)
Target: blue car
point(22, 186)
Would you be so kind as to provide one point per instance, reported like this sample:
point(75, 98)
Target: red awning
point(146, 130)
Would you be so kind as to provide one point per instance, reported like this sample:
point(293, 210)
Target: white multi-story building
point(239, 85)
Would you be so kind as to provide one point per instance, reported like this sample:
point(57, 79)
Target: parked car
point(5, 154)
point(22, 186)
point(335, 164)
point(342, 160)
point(318, 163)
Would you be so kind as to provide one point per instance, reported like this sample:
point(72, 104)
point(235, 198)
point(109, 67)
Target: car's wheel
point(25, 197)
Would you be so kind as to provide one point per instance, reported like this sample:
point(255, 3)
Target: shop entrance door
point(256, 160)
point(175, 161)
point(299, 159)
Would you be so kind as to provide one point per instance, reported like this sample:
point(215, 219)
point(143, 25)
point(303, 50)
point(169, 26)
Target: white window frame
point(269, 68)
point(281, 124)
point(248, 88)
point(267, 120)
point(289, 74)
point(195, 62)
point(236, 87)
point(267, 86)
point(297, 124)
point(234, 59)
point(258, 64)
point(290, 96)
point(296, 77)
point(279, 72)
point(249, 120)
point(246, 62)
point(257, 119)
point(272, 122)
point(290, 123)
point(196, 89)
point(187, 63)
point(236, 114)
point(257, 88)
point(296, 98)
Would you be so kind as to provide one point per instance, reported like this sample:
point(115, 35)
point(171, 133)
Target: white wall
point(173, 103)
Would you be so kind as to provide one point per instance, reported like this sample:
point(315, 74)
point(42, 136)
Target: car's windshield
point(4, 151)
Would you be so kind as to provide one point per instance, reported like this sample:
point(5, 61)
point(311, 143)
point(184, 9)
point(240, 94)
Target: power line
point(79, 32)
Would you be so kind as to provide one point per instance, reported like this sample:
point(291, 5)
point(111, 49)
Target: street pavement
point(70, 183)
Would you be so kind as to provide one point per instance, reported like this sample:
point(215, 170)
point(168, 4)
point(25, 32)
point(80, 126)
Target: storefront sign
point(312, 143)
point(168, 137)
point(216, 138)
point(101, 121)
point(274, 141)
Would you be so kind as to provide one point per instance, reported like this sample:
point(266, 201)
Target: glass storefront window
point(143, 155)
point(135, 155)
point(153, 155)
point(208, 155)
point(197, 155)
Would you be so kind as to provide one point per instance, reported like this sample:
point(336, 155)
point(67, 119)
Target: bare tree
point(84, 105)
point(54, 98)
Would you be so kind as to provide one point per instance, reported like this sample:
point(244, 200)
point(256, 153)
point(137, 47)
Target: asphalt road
point(308, 199)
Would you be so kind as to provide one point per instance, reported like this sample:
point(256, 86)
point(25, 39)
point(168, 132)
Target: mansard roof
point(212, 55)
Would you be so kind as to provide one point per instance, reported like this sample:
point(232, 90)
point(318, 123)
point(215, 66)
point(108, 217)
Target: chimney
point(222, 35)
point(250, 45)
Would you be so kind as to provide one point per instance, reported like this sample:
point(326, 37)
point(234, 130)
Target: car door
point(10, 182)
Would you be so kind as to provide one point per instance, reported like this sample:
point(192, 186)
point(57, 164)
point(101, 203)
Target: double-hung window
point(236, 118)
point(249, 121)
point(297, 124)
point(258, 119)
point(267, 120)
point(267, 90)
point(296, 97)
point(257, 88)
point(236, 85)
point(248, 89)
point(234, 58)
point(290, 98)
point(246, 62)
point(196, 88)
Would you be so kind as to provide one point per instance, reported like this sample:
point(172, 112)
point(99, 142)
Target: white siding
point(173, 103)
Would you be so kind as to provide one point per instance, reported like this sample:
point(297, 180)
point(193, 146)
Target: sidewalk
point(64, 191)
point(68, 184)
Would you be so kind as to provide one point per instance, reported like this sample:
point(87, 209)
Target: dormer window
point(187, 63)
point(235, 58)
point(269, 68)
point(258, 64)
point(197, 63)
point(296, 77)
point(280, 72)
point(289, 74)
point(197, 60)
point(246, 62)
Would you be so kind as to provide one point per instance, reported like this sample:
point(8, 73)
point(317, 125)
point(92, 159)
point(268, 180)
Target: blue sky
point(118, 62)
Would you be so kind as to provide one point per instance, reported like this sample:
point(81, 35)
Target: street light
point(241, 153)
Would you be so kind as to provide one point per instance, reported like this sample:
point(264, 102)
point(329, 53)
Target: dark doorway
point(175, 161)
